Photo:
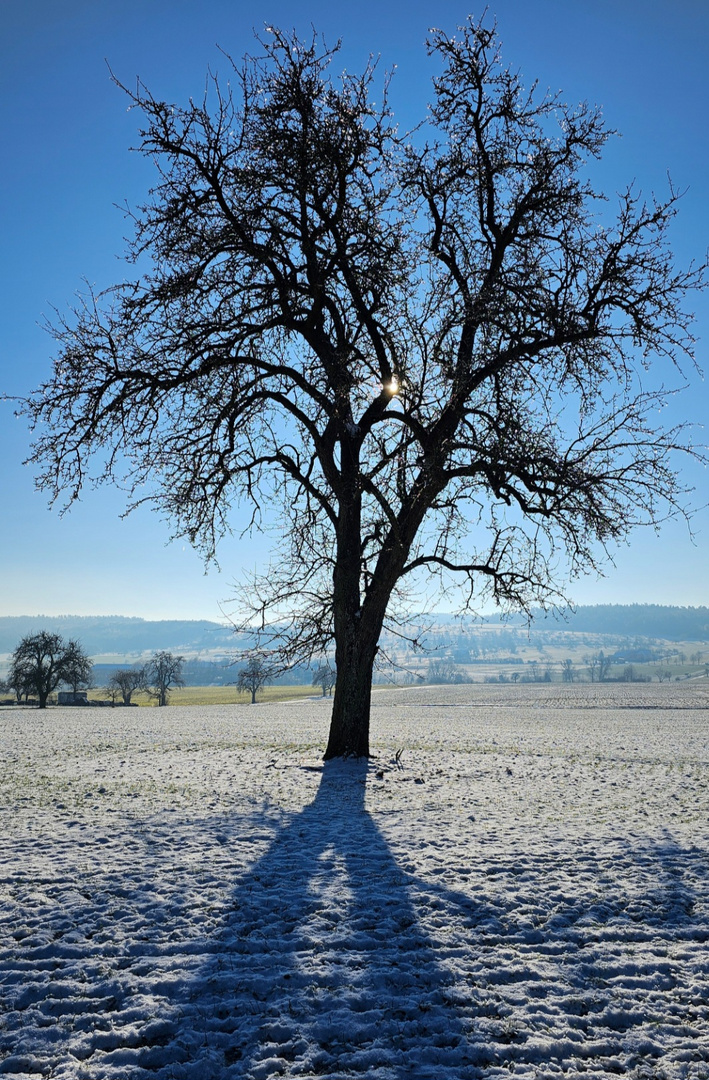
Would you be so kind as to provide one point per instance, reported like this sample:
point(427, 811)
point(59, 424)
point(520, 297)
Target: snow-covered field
point(188, 893)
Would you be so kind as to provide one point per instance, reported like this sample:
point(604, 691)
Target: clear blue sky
point(66, 135)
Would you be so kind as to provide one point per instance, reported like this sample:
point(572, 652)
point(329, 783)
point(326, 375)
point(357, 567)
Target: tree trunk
point(357, 623)
point(349, 725)
point(354, 658)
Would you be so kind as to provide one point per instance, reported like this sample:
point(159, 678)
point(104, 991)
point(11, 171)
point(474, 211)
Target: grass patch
point(219, 695)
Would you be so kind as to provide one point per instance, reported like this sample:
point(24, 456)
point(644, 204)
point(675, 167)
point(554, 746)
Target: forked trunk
point(358, 623)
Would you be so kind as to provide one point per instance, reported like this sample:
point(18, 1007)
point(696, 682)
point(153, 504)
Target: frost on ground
point(188, 893)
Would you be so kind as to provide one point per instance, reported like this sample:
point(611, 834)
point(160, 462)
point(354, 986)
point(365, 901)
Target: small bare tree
point(253, 676)
point(605, 663)
point(427, 350)
point(126, 681)
point(163, 672)
point(326, 677)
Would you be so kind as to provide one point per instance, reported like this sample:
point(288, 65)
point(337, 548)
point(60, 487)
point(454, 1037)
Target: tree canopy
point(426, 351)
point(77, 668)
point(43, 661)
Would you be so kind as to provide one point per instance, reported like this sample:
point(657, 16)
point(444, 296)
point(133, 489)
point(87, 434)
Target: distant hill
point(101, 634)
point(636, 620)
point(123, 636)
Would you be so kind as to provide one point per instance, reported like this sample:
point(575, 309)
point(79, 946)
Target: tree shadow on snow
point(321, 968)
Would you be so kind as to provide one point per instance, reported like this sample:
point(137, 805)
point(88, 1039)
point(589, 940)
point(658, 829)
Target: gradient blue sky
point(66, 135)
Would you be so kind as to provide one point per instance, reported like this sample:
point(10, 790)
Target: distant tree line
point(637, 620)
point(442, 671)
point(44, 661)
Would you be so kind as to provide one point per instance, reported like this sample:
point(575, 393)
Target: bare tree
point(605, 663)
point(42, 661)
point(163, 672)
point(442, 670)
point(426, 350)
point(253, 676)
point(599, 666)
point(78, 671)
point(126, 681)
point(326, 677)
point(567, 671)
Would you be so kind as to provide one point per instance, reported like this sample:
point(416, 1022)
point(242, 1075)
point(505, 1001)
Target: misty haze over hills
point(121, 635)
point(107, 634)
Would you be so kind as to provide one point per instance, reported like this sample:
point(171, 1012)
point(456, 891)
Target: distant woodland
point(119, 635)
point(637, 620)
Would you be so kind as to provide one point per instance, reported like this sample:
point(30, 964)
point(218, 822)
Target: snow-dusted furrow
point(188, 893)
